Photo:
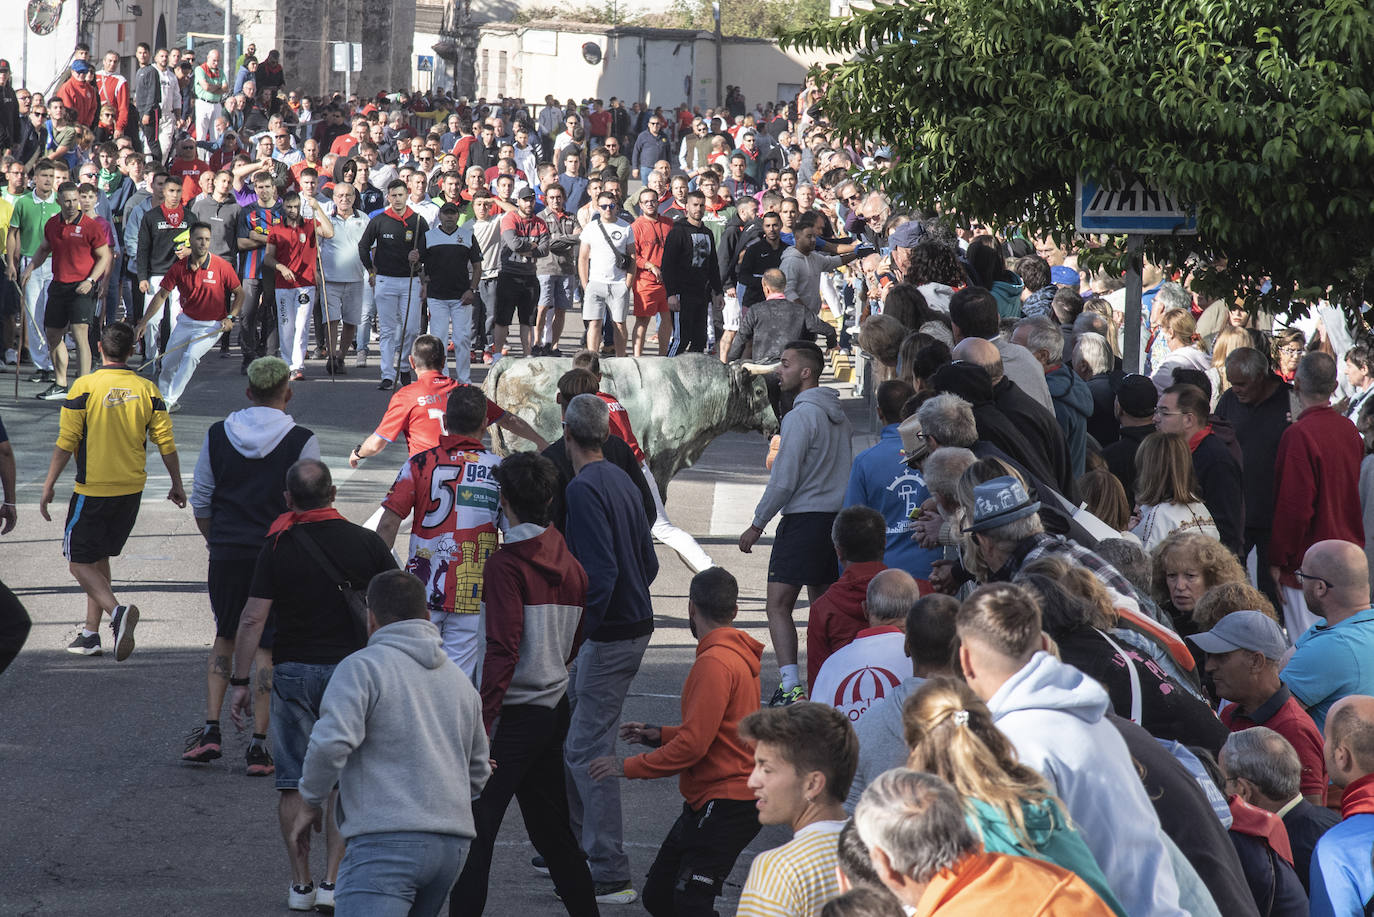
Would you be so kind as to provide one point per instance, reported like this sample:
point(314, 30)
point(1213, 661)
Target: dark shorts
point(803, 554)
point(97, 527)
point(68, 307)
point(516, 294)
point(228, 582)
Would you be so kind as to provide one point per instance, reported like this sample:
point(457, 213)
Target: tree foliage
point(1259, 111)
point(742, 18)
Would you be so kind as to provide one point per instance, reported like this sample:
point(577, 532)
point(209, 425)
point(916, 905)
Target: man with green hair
point(236, 493)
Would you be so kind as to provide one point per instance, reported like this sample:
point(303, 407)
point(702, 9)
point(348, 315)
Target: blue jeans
point(398, 874)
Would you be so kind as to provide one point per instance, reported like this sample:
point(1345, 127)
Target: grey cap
point(998, 502)
point(1244, 630)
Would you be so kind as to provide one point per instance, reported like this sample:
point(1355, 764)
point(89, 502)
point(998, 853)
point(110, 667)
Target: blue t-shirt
point(252, 219)
point(1342, 881)
point(881, 480)
point(1332, 662)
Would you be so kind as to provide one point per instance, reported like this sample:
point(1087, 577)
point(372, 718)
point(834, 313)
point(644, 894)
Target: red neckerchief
point(286, 520)
point(1198, 437)
point(1266, 826)
point(1359, 797)
point(1286, 377)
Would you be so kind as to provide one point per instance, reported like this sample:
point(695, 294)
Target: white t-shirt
point(857, 676)
point(602, 267)
point(340, 254)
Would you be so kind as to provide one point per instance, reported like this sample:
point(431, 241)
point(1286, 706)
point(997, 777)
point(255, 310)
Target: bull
point(676, 405)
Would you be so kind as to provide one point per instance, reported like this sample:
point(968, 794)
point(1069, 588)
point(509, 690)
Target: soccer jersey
point(295, 248)
point(452, 494)
point(29, 217)
point(620, 425)
point(796, 879)
point(204, 289)
point(256, 222)
point(105, 421)
point(73, 247)
point(417, 409)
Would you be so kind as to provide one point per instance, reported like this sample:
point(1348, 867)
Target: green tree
point(1259, 111)
point(741, 18)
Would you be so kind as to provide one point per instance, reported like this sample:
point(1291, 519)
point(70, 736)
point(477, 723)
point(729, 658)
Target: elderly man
point(1334, 657)
point(1073, 400)
point(925, 852)
point(1316, 483)
point(1244, 650)
point(862, 672)
point(973, 314)
point(1342, 882)
point(1261, 767)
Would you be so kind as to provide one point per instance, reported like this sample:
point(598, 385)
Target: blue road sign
point(1135, 209)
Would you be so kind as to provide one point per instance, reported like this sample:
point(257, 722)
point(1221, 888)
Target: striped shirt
point(796, 879)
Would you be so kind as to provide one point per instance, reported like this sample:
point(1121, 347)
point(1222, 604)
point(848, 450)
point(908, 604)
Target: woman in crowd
point(1140, 690)
point(1228, 339)
point(990, 273)
point(1289, 346)
point(1220, 601)
point(1186, 565)
point(1106, 499)
point(1179, 331)
point(936, 271)
point(1166, 491)
point(952, 735)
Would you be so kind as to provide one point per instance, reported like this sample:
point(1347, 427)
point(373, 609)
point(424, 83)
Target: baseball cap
point(1137, 395)
point(883, 152)
point(80, 66)
point(449, 207)
point(998, 502)
point(1064, 276)
point(525, 192)
point(4, 64)
point(1244, 630)
point(908, 235)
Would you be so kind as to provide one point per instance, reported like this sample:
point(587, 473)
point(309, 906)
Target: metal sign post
point(1136, 210)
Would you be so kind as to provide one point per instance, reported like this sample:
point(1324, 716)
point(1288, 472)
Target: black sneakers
point(260, 762)
point(53, 392)
point(85, 646)
point(123, 622)
point(202, 745)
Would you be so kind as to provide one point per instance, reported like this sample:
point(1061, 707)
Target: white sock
point(790, 678)
point(88, 633)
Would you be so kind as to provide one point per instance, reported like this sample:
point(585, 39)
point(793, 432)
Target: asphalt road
point(99, 815)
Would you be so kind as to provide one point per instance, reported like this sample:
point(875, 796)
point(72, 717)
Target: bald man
point(1034, 420)
point(856, 676)
point(1342, 881)
point(1334, 657)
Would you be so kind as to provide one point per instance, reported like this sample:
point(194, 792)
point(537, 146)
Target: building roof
point(615, 31)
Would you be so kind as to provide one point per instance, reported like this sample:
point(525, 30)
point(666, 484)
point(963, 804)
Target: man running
point(105, 422)
point(414, 410)
point(81, 256)
point(292, 252)
point(211, 299)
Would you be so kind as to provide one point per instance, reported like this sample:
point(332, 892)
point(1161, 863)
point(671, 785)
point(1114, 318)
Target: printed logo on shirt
point(118, 396)
point(77, 231)
point(861, 689)
point(302, 235)
point(209, 277)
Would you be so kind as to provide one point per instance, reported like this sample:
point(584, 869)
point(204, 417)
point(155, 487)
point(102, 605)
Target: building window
point(501, 77)
point(484, 78)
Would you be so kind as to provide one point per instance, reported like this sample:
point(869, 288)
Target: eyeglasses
point(1325, 582)
point(850, 197)
point(1160, 412)
point(606, 207)
point(1291, 351)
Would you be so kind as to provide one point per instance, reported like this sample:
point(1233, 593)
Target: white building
point(39, 40)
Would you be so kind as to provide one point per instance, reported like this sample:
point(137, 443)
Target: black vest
point(248, 491)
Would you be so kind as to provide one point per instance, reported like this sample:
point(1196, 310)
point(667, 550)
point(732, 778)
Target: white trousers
point(664, 531)
point(294, 308)
point(35, 304)
point(206, 113)
point(172, 307)
point(180, 364)
point(392, 319)
point(465, 640)
point(450, 320)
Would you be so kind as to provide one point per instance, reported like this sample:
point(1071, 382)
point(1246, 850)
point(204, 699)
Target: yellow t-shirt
point(6, 211)
point(106, 420)
point(796, 879)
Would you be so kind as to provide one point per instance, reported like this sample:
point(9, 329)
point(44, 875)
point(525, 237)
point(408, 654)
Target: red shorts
point(650, 299)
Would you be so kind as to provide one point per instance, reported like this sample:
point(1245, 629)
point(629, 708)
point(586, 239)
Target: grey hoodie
point(254, 432)
point(399, 726)
point(1055, 716)
point(811, 470)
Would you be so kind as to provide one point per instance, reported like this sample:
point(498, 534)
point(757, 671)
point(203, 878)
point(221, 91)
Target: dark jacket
point(1273, 882)
point(757, 257)
point(1102, 425)
point(649, 150)
point(690, 265)
point(617, 453)
point(774, 323)
point(1039, 302)
point(1120, 456)
point(734, 239)
point(1073, 405)
point(974, 385)
point(9, 118)
point(1258, 429)
point(1040, 429)
point(1306, 823)
point(609, 536)
point(1218, 474)
point(394, 239)
point(147, 90)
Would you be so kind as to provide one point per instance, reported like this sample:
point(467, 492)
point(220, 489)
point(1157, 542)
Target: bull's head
point(749, 406)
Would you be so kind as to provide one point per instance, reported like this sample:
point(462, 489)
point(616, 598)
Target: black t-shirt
point(314, 624)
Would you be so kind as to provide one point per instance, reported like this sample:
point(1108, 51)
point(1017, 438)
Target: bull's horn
point(759, 369)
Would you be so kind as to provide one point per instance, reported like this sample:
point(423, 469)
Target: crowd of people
point(1079, 640)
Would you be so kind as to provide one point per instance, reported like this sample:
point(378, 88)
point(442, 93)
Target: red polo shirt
point(1283, 714)
point(204, 290)
point(295, 248)
point(72, 247)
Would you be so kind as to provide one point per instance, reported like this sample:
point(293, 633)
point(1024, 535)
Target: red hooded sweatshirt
point(712, 761)
point(838, 615)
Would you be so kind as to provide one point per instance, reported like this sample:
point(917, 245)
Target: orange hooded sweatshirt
point(706, 750)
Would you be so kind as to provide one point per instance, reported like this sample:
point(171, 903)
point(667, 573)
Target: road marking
point(732, 509)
